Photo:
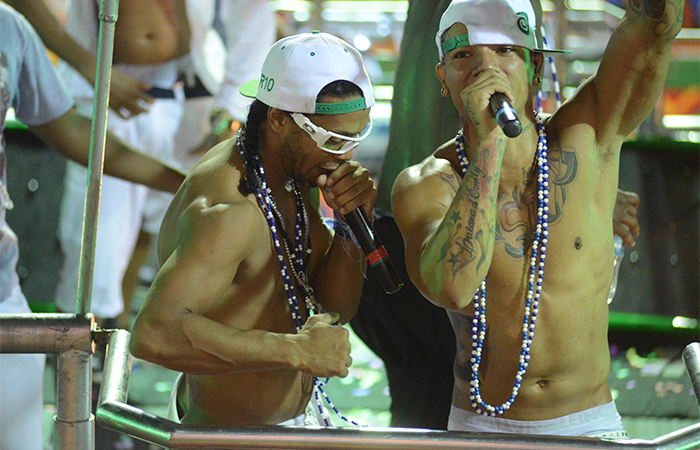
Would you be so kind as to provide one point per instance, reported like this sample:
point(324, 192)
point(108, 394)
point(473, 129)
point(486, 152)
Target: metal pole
point(108, 19)
point(45, 333)
point(74, 424)
point(115, 414)
point(691, 357)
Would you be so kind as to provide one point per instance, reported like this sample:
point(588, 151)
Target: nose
point(486, 59)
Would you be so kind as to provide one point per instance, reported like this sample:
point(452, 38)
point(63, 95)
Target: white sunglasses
point(327, 140)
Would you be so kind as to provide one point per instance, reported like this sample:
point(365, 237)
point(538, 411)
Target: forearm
point(54, 36)
point(458, 255)
point(197, 345)
point(339, 281)
point(70, 135)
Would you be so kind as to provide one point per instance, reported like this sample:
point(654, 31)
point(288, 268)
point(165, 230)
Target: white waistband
point(596, 420)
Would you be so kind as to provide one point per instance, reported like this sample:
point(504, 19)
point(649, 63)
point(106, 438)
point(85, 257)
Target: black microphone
point(376, 254)
point(505, 115)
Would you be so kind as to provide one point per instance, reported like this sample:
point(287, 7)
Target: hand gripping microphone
point(377, 256)
point(505, 115)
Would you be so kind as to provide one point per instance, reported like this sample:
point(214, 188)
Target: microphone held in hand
point(505, 115)
point(377, 255)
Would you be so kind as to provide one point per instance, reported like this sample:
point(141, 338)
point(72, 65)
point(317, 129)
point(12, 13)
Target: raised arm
point(70, 135)
point(633, 69)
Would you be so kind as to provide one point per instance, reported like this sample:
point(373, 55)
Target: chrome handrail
point(115, 414)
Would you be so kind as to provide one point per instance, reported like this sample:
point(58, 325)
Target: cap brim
point(250, 89)
point(550, 50)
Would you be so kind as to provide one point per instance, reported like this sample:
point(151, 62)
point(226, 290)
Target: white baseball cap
point(298, 67)
point(491, 22)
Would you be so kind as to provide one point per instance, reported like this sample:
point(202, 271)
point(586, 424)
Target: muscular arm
point(172, 328)
point(70, 135)
point(126, 93)
point(633, 69)
point(449, 243)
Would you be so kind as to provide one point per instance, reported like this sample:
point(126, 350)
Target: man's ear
point(276, 118)
point(440, 72)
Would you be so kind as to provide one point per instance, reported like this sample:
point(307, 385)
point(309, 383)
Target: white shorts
point(125, 208)
point(600, 421)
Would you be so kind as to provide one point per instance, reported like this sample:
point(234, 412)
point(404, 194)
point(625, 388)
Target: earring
point(537, 80)
point(443, 90)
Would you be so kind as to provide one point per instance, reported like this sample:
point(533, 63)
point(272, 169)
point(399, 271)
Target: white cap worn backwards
point(298, 67)
point(490, 22)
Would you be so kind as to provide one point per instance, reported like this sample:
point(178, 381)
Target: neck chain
point(299, 260)
point(534, 288)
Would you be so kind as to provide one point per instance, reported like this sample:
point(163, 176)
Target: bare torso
point(151, 31)
point(569, 356)
point(255, 300)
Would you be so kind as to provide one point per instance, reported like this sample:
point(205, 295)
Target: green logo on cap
point(523, 23)
point(266, 83)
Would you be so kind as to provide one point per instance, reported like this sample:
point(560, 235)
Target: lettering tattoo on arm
point(465, 240)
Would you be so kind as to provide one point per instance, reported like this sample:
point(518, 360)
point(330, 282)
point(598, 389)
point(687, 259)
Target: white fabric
point(21, 390)
point(223, 67)
point(297, 67)
point(29, 83)
point(492, 22)
point(123, 207)
point(165, 131)
point(603, 419)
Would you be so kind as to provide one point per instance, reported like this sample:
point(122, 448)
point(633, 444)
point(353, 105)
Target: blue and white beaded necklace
point(299, 260)
point(534, 289)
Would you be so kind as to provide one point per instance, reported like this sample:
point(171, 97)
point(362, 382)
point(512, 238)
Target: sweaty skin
point(217, 309)
point(459, 230)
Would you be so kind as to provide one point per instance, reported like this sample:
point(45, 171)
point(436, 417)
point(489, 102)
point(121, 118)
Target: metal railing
point(114, 413)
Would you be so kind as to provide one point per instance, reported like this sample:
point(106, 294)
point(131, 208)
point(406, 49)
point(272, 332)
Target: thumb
point(330, 318)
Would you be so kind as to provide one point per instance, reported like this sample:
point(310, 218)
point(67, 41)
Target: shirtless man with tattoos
point(472, 223)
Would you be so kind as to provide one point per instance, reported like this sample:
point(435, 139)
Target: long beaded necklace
point(534, 289)
point(299, 260)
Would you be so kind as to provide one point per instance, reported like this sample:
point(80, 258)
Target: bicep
point(419, 208)
point(631, 74)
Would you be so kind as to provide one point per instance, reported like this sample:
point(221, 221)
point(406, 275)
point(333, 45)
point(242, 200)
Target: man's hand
point(324, 348)
point(347, 188)
point(625, 223)
point(476, 98)
point(127, 97)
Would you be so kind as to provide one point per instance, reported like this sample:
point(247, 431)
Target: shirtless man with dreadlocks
point(246, 257)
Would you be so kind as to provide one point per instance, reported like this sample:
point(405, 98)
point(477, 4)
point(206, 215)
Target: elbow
point(442, 291)
point(146, 343)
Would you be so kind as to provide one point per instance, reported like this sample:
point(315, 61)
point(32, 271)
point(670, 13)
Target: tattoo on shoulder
point(451, 180)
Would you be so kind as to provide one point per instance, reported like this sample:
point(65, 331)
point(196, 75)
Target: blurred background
point(656, 308)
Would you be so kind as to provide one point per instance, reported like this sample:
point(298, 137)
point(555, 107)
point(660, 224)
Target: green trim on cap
point(341, 107)
point(455, 42)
